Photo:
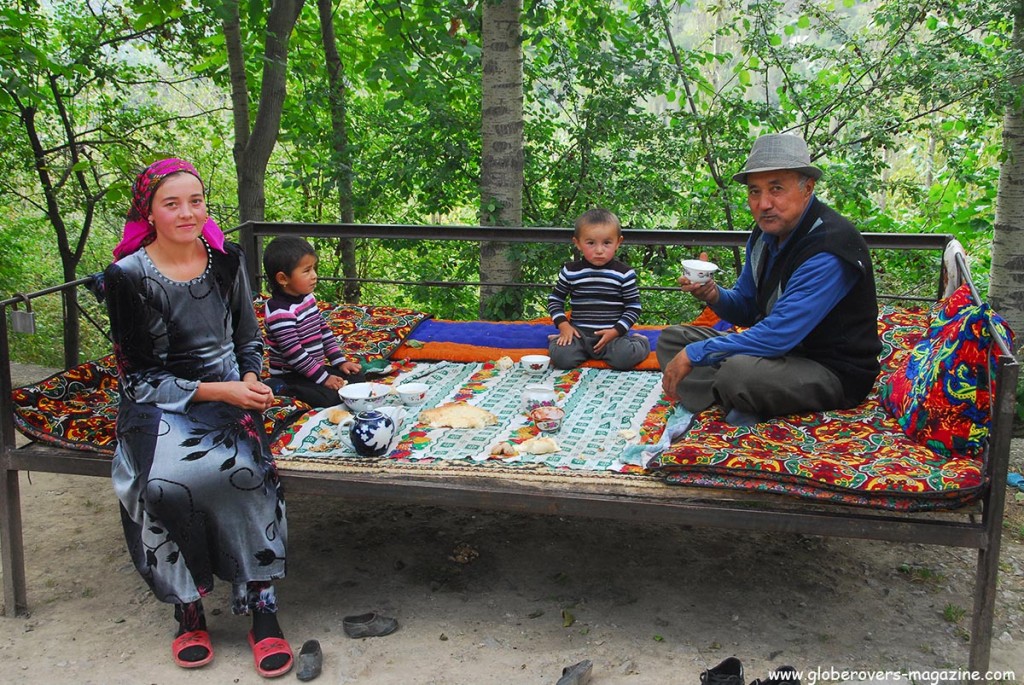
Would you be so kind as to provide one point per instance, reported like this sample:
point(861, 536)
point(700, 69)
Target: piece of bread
point(539, 446)
point(457, 415)
point(338, 415)
point(504, 449)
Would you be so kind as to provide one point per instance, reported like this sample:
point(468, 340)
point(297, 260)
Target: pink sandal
point(269, 646)
point(193, 638)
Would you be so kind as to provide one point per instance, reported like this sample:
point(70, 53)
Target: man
point(807, 293)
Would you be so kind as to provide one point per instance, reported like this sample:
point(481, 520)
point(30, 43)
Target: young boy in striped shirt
point(605, 300)
point(299, 339)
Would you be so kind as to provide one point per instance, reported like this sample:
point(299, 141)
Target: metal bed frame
point(976, 527)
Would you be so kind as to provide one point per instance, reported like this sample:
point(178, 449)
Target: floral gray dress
point(198, 488)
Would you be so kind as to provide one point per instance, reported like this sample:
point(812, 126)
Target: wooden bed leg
point(984, 608)
point(12, 545)
point(986, 577)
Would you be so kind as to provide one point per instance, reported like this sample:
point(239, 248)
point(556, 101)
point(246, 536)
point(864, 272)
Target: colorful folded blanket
point(482, 341)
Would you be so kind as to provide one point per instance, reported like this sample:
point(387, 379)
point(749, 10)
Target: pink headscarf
point(137, 228)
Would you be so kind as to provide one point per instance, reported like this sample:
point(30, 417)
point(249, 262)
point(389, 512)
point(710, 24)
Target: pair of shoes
point(311, 660)
point(729, 672)
point(193, 638)
point(783, 675)
point(577, 674)
point(369, 625)
point(270, 646)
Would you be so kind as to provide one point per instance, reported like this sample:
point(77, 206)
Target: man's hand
point(566, 332)
point(604, 336)
point(676, 370)
point(706, 292)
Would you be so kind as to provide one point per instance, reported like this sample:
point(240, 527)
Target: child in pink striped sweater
point(303, 351)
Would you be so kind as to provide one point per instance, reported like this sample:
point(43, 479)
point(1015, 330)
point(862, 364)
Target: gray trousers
point(755, 385)
point(622, 353)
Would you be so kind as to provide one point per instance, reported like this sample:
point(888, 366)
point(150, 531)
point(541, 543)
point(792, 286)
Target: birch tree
point(501, 164)
point(1007, 275)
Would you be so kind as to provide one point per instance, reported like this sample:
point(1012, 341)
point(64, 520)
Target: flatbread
point(457, 415)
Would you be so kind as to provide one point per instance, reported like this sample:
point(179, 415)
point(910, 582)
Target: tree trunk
point(1007, 272)
point(69, 257)
point(501, 165)
point(253, 145)
point(341, 155)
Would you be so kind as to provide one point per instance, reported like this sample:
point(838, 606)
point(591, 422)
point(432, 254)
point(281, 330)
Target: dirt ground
point(491, 598)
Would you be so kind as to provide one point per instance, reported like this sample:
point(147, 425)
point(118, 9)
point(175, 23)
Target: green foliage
point(644, 108)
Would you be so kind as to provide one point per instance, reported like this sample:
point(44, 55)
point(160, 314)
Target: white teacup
point(412, 394)
point(698, 271)
point(535, 363)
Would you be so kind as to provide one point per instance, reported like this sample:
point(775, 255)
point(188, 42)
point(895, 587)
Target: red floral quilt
point(859, 456)
point(77, 409)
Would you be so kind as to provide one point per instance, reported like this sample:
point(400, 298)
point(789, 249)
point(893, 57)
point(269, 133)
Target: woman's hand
point(249, 393)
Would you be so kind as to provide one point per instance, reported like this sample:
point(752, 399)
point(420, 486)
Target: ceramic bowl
point(364, 396)
point(412, 394)
point(535, 363)
point(698, 271)
point(547, 419)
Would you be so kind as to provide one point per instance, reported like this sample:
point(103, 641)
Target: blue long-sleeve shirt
point(813, 290)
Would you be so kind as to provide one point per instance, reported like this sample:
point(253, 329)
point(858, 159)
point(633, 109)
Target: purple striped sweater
point(299, 338)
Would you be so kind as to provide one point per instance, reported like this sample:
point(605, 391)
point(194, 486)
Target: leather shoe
point(369, 625)
point(729, 672)
point(311, 660)
point(577, 674)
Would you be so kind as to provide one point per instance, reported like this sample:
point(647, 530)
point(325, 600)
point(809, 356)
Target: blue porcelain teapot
point(371, 433)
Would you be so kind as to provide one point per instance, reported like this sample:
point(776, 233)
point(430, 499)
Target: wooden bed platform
point(615, 496)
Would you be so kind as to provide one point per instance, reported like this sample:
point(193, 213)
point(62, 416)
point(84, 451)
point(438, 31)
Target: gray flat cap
point(777, 151)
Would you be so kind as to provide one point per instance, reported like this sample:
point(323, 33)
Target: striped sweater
point(299, 338)
point(602, 296)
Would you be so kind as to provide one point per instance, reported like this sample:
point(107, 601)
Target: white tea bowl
point(698, 271)
point(535, 363)
point(364, 396)
point(412, 394)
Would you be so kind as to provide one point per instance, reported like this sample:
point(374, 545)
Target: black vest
point(846, 341)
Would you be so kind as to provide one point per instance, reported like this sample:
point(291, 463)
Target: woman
point(199, 491)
